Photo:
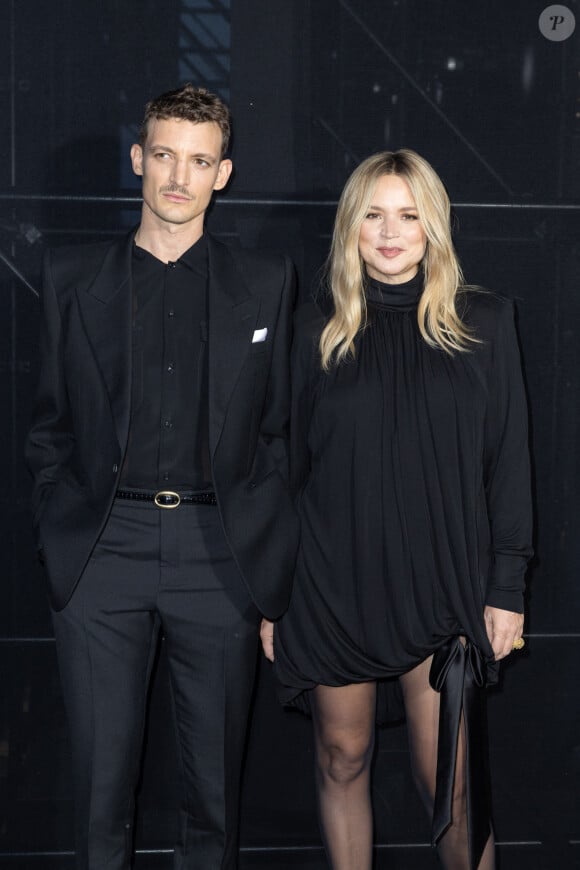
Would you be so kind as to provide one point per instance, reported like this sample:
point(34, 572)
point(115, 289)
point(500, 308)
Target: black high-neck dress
point(411, 474)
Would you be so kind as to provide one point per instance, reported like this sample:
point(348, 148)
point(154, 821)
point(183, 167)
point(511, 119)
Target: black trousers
point(168, 570)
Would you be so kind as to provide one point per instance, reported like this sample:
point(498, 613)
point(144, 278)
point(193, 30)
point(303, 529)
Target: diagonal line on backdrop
point(16, 271)
point(334, 135)
point(409, 78)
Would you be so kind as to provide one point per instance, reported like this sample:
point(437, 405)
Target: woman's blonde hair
point(438, 319)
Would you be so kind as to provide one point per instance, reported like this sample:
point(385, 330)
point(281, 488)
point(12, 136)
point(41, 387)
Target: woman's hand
point(267, 638)
point(503, 627)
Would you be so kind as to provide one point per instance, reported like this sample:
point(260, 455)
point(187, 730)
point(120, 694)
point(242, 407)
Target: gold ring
point(519, 643)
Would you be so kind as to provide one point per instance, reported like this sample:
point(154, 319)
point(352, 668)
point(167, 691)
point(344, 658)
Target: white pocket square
point(259, 335)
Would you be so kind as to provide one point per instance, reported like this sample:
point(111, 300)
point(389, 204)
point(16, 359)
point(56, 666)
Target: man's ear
point(137, 159)
point(223, 176)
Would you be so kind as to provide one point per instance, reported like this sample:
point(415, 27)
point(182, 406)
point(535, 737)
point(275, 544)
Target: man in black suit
point(158, 450)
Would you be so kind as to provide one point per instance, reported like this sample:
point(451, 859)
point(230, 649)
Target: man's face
point(181, 166)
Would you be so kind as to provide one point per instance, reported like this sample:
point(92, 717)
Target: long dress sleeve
point(507, 470)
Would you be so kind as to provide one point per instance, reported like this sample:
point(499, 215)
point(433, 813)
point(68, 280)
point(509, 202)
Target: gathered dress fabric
point(410, 468)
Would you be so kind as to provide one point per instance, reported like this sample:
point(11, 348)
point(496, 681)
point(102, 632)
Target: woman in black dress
point(411, 472)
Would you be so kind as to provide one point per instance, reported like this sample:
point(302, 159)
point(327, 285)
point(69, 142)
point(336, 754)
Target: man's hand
point(503, 628)
point(267, 638)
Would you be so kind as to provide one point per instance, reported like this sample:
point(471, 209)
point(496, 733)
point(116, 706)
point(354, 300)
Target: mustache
point(175, 188)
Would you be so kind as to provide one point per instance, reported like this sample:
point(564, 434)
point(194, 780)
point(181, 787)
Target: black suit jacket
point(79, 434)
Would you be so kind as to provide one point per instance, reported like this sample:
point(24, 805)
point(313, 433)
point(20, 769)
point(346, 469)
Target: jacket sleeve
point(507, 470)
point(51, 440)
point(274, 425)
point(306, 369)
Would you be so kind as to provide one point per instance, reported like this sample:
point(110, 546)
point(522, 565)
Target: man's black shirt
point(168, 433)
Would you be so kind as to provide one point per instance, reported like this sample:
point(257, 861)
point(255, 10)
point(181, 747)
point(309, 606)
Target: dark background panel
point(480, 90)
point(315, 86)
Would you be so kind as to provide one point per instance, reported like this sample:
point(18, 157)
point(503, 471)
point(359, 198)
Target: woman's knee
point(345, 760)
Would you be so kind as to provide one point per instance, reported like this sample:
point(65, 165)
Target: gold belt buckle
point(167, 499)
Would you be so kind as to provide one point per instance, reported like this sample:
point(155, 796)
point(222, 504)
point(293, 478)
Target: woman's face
point(392, 239)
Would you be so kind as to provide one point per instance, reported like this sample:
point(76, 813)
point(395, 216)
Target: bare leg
point(344, 726)
point(422, 712)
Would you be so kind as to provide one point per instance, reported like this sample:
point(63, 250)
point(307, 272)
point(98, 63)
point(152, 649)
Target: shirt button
point(168, 424)
point(171, 264)
point(166, 476)
point(171, 313)
point(170, 367)
point(115, 468)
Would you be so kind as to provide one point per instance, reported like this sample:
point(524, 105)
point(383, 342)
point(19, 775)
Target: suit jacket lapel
point(233, 314)
point(105, 306)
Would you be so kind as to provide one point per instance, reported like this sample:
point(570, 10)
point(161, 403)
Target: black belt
point(167, 498)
